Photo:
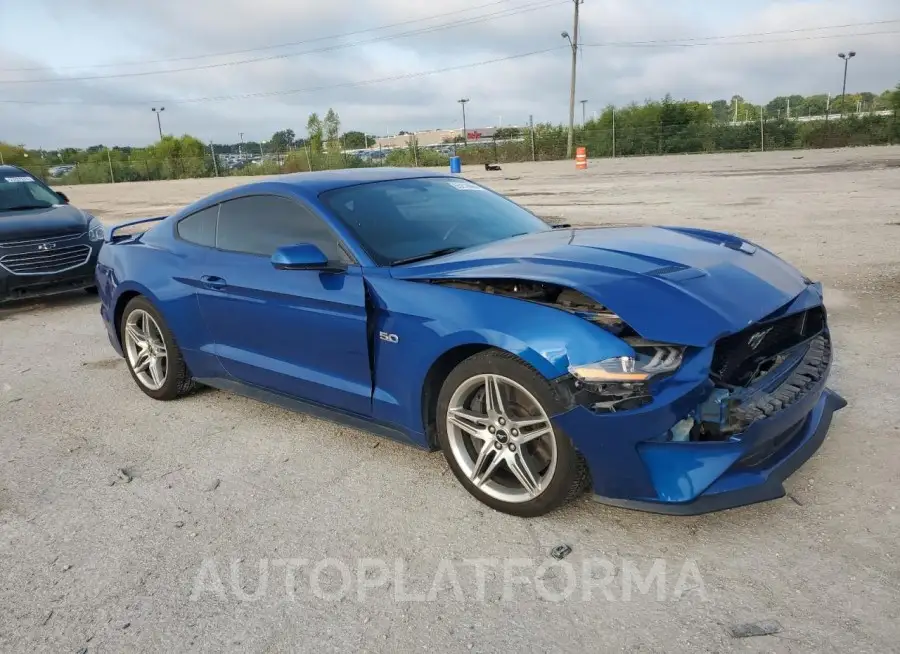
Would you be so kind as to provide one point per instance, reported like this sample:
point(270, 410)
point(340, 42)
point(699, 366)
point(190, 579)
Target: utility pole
point(241, 146)
point(846, 57)
point(614, 131)
point(158, 121)
point(583, 104)
point(465, 133)
point(573, 41)
point(531, 128)
point(212, 151)
point(112, 178)
point(762, 129)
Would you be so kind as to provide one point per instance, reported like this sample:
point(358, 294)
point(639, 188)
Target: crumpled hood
point(678, 285)
point(58, 220)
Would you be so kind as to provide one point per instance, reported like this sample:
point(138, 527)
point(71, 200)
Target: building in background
point(429, 138)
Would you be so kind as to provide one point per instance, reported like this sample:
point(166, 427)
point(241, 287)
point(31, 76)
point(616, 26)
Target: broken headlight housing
point(650, 360)
point(622, 383)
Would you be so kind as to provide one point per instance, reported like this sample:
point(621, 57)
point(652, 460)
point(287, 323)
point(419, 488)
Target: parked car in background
point(61, 170)
point(669, 369)
point(47, 246)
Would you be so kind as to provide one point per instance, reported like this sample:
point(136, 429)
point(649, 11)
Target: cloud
point(112, 33)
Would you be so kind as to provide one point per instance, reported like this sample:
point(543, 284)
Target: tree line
point(663, 126)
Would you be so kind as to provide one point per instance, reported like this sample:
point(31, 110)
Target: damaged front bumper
point(777, 426)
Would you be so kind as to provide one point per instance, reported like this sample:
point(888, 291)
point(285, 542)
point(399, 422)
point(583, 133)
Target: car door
point(297, 332)
point(195, 241)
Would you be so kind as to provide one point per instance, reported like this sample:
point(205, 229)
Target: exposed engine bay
point(549, 294)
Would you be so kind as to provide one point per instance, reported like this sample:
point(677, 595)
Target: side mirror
point(304, 256)
point(63, 197)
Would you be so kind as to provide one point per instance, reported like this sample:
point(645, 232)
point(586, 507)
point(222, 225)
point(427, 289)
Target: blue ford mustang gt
point(668, 369)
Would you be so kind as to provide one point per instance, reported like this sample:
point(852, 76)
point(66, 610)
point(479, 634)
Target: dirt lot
point(222, 487)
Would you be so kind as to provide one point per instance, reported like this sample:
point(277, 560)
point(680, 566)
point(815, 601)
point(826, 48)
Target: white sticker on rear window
point(466, 186)
point(19, 179)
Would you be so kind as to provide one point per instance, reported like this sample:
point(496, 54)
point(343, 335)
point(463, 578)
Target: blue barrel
point(455, 166)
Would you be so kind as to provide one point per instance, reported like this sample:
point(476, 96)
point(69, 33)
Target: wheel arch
point(444, 365)
point(122, 299)
point(434, 380)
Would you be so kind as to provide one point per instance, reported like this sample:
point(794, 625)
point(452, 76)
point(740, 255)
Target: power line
point(689, 42)
point(265, 94)
point(122, 64)
point(410, 22)
point(505, 13)
point(760, 42)
point(513, 11)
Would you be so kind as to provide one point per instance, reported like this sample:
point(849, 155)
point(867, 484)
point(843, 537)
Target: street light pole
point(614, 130)
point(463, 102)
point(846, 57)
point(583, 104)
point(573, 41)
point(158, 121)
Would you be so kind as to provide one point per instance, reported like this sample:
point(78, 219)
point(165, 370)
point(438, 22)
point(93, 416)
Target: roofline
point(318, 185)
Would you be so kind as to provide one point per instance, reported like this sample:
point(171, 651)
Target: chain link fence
point(542, 143)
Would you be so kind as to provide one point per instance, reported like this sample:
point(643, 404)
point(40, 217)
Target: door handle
point(213, 282)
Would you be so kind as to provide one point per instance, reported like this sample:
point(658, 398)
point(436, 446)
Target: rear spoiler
point(113, 237)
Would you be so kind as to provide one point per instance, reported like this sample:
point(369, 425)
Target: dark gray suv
point(47, 246)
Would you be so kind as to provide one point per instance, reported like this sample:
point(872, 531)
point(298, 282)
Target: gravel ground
point(131, 525)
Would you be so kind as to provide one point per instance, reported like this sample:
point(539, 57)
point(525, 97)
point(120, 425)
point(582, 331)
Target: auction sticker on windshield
point(466, 186)
point(20, 179)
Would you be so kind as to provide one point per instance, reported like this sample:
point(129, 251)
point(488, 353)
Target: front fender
point(429, 320)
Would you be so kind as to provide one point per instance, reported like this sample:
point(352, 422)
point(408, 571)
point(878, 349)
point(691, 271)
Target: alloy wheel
point(501, 438)
point(146, 349)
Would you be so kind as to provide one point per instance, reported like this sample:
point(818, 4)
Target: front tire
point(494, 428)
point(152, 355)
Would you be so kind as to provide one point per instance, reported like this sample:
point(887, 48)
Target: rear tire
point(493, 426)
point(152, 355)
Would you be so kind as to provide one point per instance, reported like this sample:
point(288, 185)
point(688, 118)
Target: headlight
point(649, 360)
point(95, 230)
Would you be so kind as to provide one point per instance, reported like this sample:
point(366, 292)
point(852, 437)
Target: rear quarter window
point(200, 228)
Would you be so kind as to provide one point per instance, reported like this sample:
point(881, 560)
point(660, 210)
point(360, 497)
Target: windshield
point(406, 219)
point(21, 191)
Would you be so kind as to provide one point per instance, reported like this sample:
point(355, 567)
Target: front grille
point(34, 242)
point(44, 262)
point(738, 357)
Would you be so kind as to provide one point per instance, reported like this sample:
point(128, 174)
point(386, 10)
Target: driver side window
point(260, 224)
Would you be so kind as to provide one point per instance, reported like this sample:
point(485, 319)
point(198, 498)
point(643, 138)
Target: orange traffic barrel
point(581, 158)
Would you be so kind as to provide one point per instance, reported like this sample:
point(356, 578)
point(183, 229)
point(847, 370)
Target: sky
point(365, 59)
